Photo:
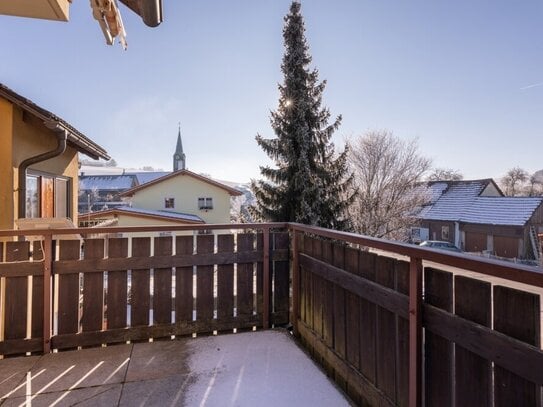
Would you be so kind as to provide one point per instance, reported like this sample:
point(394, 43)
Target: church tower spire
point(179, 155)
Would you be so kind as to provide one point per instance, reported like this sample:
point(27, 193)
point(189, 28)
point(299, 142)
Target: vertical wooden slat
point(352, 328)
point(415, 332)
point(16, 294)
point(352, 312)
point(162, 289)
point(225, 279)
point(204, 281)
point(266, 280)
point(303, 280)
point(339, 304)
point(438, 351)
point(281, 280)
point(244, 287)
point(37, 293)
point(327, 298)
point(295, 281)
point(516, 314)
point(47, 298)
point(184, 245)
point(472, 373)
point(117, 285)
point(260, 275)
point(140, 284)
point(368, 320)
point(402, 338)
point(386, 332)
point(93, 289)
point(317, 289)
point(68, 290)
point(310, 282)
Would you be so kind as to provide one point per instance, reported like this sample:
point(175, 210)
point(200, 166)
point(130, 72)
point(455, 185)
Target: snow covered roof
point(454, 200)
point(514, 211)
point(461, 201)
point(187, 217)
point(147, 176)
point(106, 182)
point(432, 191)
point(180, 173)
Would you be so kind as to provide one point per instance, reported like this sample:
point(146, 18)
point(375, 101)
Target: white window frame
point(205, 203)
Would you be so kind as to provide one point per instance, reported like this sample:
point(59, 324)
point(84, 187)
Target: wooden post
point(47, 300)
point(266, 279)
point(415, 332)
point(295, 282)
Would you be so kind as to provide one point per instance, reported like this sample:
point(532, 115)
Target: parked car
point(439, 244)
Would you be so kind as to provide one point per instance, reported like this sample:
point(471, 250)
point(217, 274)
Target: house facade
point(476, 217)
point(185, 192)
point(38, 161)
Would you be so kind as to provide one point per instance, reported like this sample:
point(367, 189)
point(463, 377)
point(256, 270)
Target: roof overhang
point(230, 190)
point(117, 212)
point(44, 9)
point(75, 138)
point(150, 11)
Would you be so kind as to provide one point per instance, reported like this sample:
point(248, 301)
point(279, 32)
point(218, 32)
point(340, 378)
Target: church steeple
point(179, 155)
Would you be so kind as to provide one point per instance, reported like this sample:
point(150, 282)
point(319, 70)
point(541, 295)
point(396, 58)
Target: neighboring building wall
point(438, 230)
point(185, 190)
point(6, 167)
point(491, 190)
point(504, 241)
point(29, 137)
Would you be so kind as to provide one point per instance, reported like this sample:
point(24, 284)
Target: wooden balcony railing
point(392, 323)
point(63, 294)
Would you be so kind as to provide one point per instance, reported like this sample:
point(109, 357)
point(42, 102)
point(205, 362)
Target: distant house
point(184, 191)
point(103, 191)
point(38, 161)
point(477, 217)
point(157, 198)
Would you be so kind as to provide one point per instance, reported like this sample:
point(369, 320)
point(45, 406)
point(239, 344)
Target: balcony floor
point(246, 369)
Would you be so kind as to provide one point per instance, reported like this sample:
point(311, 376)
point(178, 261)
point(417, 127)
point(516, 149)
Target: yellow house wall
point(186, 190)
point(30, 137)
point(6, 167)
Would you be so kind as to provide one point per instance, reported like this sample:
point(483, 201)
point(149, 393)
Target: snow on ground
point(264, 368)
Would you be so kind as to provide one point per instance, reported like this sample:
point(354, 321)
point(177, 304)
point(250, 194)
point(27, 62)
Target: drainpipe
point(62, 135)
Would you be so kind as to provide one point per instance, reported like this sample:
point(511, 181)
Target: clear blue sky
point(455, 74)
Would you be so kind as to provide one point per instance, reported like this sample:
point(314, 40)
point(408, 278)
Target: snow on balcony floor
point(264, 368)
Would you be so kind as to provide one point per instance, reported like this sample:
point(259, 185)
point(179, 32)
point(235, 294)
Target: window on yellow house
point(205, 203)
point(47, 196)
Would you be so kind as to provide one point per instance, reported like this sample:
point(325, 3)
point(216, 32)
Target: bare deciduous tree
point(388, 173)
point(535, 185)
point(513, 182)
point(445, 174)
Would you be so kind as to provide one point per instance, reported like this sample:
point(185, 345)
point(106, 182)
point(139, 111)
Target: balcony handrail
point(137, 229)
point(490, 267)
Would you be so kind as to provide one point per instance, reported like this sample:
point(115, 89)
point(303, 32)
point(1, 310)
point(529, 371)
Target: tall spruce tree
point(309, 183)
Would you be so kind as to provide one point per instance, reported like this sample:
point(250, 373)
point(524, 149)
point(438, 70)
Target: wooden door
point(475, 242)
point(506, 246)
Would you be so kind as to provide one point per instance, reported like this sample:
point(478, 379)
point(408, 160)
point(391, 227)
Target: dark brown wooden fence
point(392, 330)
point(109, 290)
point(481, 342)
